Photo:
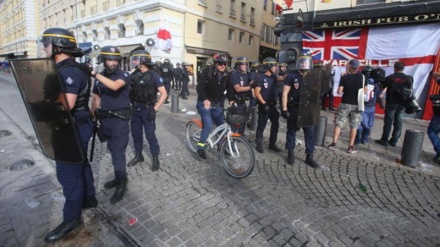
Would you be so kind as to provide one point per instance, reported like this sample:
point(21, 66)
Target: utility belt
point(142, 106)
point(242, 99)
point(271, 103)
point(123, 113)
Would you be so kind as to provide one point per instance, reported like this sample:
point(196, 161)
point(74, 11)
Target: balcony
point(232, 13)
point(218, 8)
point(243, 17)
point(252, 22)
point(203, 3)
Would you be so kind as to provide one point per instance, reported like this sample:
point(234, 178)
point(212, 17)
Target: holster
point(100, 132)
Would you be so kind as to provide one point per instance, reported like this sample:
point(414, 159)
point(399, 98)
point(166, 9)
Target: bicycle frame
point(223, 130)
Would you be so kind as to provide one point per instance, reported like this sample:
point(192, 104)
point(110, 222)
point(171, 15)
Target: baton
point(93, 141)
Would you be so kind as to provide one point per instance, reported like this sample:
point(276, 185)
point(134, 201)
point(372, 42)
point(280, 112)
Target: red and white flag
point(164, 39)
point(282, 4)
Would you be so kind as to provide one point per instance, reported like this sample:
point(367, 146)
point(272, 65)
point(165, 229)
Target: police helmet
point(255, 65)
point(140, 57)
point(61, 39)
point(304, 63)
point(177, 64)
point(166, 61)
point(268, 63)
point(183, 64)
point(378, 74)
point(282, 65)
point(220, 58)
point(109, 52)
point(367, 70)
point(241, 61)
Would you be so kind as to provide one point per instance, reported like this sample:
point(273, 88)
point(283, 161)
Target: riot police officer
point(185, 80)
point(76, 179)
point(178, 77)
point(210, 91)
point(240, 89)
point(290, 110)
point(167, 74)
point(266, 97)
point(145, 83)
point(111, 102)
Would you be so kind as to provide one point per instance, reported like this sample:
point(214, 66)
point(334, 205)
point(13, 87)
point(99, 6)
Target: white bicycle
point(236, 153)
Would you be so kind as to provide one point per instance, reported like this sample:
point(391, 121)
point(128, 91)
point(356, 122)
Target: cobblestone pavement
point(353, 200)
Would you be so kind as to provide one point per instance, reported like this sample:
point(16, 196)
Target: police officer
point(178, 77)
point(76, 179)
point(240, 89)
point(266, 97)
point(145, 83)
point(113, 108)
point(290, 106)
point(185, 79)
point(167, 74)
point(210, 91)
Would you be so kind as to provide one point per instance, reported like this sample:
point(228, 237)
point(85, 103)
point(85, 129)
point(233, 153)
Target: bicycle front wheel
point(237, 157)
point(193, 131)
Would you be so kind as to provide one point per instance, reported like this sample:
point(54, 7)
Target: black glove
point(266, 108)
point(151, 115)
point(285, 114)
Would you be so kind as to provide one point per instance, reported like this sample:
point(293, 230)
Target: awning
point(128, 49)
point(209, 52)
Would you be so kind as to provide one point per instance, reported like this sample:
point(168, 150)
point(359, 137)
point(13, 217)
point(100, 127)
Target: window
point(139, 27)
point(107, 33)
point(200, 26)
point(251, 40)
point(203, 3)
point(231, 35)
point(85, 36)
point(95, 35)
point(232, 9)
point(241, 38)
point(243, 12)
point(265, 5)
point(252, 20)
point(121, 31)
point(218, 6)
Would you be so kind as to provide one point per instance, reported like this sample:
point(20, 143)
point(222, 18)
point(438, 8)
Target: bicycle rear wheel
point(238, 158)
point(193, 131)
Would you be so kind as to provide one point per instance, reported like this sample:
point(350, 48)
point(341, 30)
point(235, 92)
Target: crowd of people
point(125, 102)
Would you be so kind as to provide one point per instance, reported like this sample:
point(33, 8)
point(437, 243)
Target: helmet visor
point(304, 63)
point(134, 62)
point(44, 47)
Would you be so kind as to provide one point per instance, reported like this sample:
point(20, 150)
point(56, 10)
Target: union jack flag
point(335, 44)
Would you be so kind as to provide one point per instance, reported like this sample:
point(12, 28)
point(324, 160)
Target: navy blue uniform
point(294, 80)
point(268, 86)
point(185, 80)
point(241, 79)
point(76, 179)
point(115, 128)
point(167, 74)
point(142, 109)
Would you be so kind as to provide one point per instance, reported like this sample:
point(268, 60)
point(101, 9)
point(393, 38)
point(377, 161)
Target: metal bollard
point(174, 103)
point(412, 147)
point(254, 119)
point(320, 131)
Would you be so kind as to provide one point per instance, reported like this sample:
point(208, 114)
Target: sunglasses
point(222, 63)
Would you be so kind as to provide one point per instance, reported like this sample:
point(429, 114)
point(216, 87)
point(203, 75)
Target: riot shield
point(46, 104)
point(310, 98)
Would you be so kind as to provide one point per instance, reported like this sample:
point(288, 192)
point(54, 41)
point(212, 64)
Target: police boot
point(137, 158)
point(62, 230)
point(155, 163)
point(111, 184)
point(311, 162)
point(290, 157)
point(121, 188)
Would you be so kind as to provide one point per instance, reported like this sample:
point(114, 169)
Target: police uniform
point(268, 86)
point(114, 114)
point(185, 80)
point(167, 74)
point(143, 94)
point(294, 80)
point(77, 179)
point(241, 79)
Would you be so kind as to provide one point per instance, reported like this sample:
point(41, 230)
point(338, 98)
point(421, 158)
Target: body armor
point(143, 89)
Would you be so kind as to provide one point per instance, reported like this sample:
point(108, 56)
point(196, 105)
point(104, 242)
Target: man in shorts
point(349, 85)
